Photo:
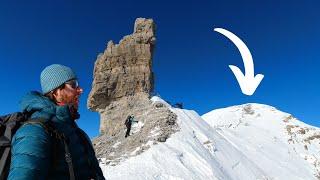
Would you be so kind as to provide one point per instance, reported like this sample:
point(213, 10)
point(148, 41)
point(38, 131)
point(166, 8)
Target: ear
point(57, 94)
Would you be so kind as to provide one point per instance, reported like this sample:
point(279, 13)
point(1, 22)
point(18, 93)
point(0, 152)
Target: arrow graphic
point(248, 82)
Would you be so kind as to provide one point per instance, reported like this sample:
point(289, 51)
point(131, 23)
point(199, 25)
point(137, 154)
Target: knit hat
point(54, 76)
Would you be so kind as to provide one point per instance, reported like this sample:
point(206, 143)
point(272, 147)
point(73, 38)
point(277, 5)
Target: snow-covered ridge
point(250, 141)
point(276, 137)
point(231, 115)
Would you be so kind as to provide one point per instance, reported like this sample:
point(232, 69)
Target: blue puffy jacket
point(32, 148)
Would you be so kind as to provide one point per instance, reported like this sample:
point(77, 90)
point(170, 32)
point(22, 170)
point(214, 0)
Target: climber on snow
point(128, 123)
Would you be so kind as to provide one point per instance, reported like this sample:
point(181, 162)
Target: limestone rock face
point(124, 69)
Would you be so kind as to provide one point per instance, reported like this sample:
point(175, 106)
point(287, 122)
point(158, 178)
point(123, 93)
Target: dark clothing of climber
point(128, 123)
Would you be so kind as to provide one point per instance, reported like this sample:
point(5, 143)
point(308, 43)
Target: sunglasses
point(73, 83)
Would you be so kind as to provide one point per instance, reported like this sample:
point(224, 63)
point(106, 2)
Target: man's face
point(69, 94)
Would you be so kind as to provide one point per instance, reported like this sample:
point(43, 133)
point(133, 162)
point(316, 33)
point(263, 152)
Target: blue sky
point(190, 61)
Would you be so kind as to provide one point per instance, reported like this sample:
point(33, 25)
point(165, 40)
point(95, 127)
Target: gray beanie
point(54, 76)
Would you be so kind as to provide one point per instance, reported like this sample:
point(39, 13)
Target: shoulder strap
point(68, 158)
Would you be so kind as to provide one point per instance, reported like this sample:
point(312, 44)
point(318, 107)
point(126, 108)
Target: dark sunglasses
point(73, 83)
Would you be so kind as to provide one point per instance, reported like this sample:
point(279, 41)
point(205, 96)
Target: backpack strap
point(3, 162)
point(68, 157)
point(53, 132)
point(5, 157)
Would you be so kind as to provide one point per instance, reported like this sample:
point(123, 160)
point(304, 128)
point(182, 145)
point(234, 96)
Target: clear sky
point(190, 61)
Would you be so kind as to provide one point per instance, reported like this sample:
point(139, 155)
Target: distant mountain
point(250, 141)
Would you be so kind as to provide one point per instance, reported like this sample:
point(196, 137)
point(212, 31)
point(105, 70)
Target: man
point(128, 123)
point(34, 154)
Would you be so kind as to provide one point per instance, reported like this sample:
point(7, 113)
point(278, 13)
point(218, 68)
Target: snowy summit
point(250, 141)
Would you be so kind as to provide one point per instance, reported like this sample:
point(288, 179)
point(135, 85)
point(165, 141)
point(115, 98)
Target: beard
point(73, 104)
point(69, 100)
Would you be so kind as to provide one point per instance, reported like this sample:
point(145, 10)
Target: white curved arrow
point(248, 82)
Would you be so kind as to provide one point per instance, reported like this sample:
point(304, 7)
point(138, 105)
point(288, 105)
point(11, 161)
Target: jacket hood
point(44, 107)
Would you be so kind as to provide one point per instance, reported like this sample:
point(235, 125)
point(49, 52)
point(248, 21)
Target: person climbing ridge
point(128, 123)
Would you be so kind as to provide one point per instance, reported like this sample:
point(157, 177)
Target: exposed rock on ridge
point(156, 123)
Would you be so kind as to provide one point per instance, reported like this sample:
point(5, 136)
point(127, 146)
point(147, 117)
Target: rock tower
point(122, 85)
point(123, 70)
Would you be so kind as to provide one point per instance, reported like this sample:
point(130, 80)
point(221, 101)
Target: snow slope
point(242, 142)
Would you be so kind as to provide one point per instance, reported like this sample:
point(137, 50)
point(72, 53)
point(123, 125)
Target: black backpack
point(9, 124)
